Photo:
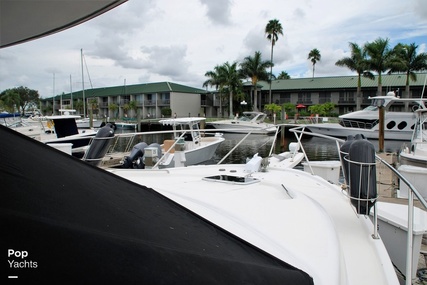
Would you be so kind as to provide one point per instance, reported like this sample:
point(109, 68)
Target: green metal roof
point(146, 88)
point(341, 82)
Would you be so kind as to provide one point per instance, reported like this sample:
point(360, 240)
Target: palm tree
point(113, 108)
point(273, 29)
point(314, 56)
point(283, 75)
point(79, 106)
point(255, 68)
point(357, 62)
point(93, 104)
point(230, 78)
point(379, 55)
point(215, 80)
point(133, 105)
point(406, 60)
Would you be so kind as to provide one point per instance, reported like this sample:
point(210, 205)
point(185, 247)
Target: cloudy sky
point(145, 41)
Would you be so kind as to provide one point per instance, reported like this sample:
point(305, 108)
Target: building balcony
point(124, 102)
point(348, 101)
point(165, 102)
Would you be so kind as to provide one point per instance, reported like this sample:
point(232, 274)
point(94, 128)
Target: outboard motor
point(137, 152)
point(362, 175)
point(151, 156)
point(343, 153)
point(99, 146)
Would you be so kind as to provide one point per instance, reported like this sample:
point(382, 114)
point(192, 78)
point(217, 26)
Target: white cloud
point(218, 11)
point(178, 41)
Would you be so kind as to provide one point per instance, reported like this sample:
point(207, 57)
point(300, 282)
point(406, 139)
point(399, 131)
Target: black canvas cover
point(64, 221)
point(65, 127)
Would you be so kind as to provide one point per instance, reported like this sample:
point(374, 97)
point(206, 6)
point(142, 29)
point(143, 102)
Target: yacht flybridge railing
point(413, 193)
point(358, 124)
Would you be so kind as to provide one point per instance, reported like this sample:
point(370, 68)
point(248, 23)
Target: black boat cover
point(65, 221)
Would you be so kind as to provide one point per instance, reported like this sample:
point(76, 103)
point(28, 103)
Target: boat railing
point(413, 193)
point(123, 143)
point(358, 124)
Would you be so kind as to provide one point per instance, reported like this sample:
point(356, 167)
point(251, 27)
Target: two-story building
point(155, 100)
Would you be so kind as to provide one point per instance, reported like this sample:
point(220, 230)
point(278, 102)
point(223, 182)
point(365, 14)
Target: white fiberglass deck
point(295, 216)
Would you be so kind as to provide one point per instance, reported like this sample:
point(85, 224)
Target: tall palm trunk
point(255, 95)
point(271, 71)
point(231, 106)
point(255, 99)
point(407, 93)
point(380, 86)
point(358, 93)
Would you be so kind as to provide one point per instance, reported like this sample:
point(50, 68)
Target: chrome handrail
point(413, 192)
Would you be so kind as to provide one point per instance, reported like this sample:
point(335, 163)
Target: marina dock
point(387, 185)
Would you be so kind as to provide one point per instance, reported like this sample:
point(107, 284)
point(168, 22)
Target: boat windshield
point(255, 117)
point(191, 128)
point(371, 108)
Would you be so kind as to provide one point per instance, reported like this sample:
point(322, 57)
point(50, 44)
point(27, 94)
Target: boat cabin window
point(231, 179)
point(402, 125)
point(371, 108)
point(192, 132)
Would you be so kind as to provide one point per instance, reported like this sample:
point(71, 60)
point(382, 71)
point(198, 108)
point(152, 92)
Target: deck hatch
point(231, 179)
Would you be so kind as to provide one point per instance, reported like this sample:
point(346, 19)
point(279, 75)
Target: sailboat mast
point(83, 85)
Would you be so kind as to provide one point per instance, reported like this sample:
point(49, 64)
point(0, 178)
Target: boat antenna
point(424, 86)
point(422, 92)
point(83, 84)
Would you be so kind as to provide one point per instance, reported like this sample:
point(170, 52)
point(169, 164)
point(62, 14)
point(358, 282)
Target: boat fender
point(362, 175)
point(344, 153)
point(99, 146)
point(137, 152)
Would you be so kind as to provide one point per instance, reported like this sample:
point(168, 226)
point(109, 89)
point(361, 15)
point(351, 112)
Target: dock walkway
point(387, 185)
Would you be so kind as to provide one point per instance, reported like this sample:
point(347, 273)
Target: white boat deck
point(299, 218)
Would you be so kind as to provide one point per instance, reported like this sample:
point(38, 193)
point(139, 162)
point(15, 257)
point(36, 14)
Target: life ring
point(50, 124)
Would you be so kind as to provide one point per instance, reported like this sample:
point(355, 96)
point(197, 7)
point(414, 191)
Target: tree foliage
point(324, 109)
point(274, 108)
point(314, 56)
point(357, 62)
point(283, 75)
point(273, 30)
point(379, 55)
point(227, 79)
point(21, 97)
point(289, 108)
point(405, 59)
point(254, 67)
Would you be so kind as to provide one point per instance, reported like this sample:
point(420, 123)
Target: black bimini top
point(80, 224)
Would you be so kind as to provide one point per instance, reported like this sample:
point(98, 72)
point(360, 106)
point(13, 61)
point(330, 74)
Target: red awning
point(300, 106)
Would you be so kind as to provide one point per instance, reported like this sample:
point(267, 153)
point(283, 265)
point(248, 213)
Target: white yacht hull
point(236, 127)
point(336, 130)
point(85, 124)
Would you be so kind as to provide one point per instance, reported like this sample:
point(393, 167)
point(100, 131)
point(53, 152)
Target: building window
point(346, 97)
point(367, 94)
point(124, 100)
point(284, 98)
point(324, 97)
point(304, 98)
